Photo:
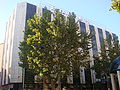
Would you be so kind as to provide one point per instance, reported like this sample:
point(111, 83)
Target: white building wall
point(1, 58)
point(5, 54)
point(12, 72)
point(39, 11)
point(19, 27)
point(14, 34)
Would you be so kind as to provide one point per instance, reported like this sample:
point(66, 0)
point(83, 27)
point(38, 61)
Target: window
point(108, 38)
point(100, 32)
point(82, 27)
point(93, 39)
point(115, 38)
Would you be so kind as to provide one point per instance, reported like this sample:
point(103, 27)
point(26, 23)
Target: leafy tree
point(115, 5)
point(54, 47)
point(109, 51)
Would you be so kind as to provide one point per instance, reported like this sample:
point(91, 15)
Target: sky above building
point(96, 12)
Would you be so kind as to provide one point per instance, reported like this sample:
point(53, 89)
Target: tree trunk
point(59, 83)
point(36, 87)
point(45, 86)
point(53, 85)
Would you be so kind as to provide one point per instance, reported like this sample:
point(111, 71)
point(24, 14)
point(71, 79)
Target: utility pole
point(23, 78)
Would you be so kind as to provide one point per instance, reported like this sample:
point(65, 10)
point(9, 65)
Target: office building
point(12, 72)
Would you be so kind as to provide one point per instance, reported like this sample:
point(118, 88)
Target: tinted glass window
point(46, 13)
point(108, 38)
point(31, 10)
point(115, 38)
point(100, 32)
point(93, 39)
point(82, 27)
point(88, 76)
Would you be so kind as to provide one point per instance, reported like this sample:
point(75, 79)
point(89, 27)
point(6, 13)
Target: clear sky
point(96, 11)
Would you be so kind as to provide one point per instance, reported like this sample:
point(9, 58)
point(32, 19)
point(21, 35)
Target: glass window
point(93, 39)
point(88, 76)
point(115, 37)
point(100, 32)
point(46, 13)
point(31, 10)
point(107, 35)
point(108, 38)
point(82, 27)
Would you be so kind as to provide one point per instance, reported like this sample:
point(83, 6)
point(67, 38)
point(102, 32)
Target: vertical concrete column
point(82, 75)
point(118, 74)
point(113, 82)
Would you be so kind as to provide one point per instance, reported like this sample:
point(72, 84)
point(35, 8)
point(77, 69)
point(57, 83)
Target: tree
point(115, 5)
point(54, 47)
point(109, 51)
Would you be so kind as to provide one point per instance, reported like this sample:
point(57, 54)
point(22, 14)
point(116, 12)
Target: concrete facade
point(12, 73)
point(1, 58)
point(98, 36)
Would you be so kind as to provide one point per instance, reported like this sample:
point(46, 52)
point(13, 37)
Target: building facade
point(12, 72)
point(1, 57)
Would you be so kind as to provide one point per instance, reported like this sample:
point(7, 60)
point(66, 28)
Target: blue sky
point(96, 11)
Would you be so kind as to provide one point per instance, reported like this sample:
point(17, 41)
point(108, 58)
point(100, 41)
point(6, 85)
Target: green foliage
point(53, 47)
point(109, 52)
point(115, 5)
